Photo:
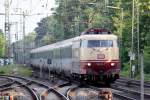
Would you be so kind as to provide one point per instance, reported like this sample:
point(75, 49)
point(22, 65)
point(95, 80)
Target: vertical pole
point(106, 4)
point(23, 38)
point(132, 44)
point(105, 15)
point(16, 44)
point(30, 6)
point(40, 71)
point(20, 21)
point(138, 36)
point(81, 21)
point(121, 56)
point(142, 77)
point(7, 31)
point(9, 44)
point(132, 26)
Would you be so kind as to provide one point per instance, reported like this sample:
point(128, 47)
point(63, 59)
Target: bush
point(2, 72)
point(147, 60)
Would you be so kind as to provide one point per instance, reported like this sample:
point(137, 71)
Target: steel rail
point(123, 97)
point(7, 84)
point(54, 90)
point(32, 92)
point(49, 89)
point(129, 91)
point(70, 90)
point(134, 82)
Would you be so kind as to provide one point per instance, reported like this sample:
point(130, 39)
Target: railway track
point(99, 89)
point(25, 83)
point(55, 90)
point(19, 84)
point(130, 88)
point(79, 91)
point(133, 82)
point(122, 89)
point(119, 90)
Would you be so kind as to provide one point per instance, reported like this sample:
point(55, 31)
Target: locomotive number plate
point(100, 56)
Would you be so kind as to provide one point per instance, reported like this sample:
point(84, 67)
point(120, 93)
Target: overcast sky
point(31, 7)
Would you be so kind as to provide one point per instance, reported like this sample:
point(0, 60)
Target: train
point(94, 55)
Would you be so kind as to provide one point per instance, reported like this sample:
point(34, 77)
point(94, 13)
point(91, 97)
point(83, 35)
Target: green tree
point(2, 44)
point(48, 39)
point(71, 17)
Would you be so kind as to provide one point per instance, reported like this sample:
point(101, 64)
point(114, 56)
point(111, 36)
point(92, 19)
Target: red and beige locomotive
point(94, 55)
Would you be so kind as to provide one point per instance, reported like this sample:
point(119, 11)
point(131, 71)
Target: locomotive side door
point(76, 56)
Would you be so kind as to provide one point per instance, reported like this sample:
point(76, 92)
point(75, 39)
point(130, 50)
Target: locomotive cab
point(99, 57)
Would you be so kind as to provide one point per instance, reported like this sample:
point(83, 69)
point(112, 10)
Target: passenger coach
point(94, 55)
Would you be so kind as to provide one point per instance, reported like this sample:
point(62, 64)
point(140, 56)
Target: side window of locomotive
point(117, 41)
point(84, 43)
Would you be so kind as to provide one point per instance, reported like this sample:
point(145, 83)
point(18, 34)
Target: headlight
point(89, 64)
point(112, 64)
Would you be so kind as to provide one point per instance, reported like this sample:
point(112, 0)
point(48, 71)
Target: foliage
point(48, 39)
point(146, 60)
point(74, 16)
point(70, 18)
point(30, 37)
point(19, 70)
point(2, 43)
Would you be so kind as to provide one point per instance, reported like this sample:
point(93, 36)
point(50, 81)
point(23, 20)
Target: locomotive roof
point(68, 42)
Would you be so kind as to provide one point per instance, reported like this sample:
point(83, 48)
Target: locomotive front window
point(97, 43)
point(93, 43)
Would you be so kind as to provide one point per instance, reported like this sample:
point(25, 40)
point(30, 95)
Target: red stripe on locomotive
point(99, 65)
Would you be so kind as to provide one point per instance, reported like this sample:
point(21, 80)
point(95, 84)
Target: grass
point(15, 70)
point(125, 73)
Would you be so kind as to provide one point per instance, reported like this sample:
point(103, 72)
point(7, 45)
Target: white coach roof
point(69, 42)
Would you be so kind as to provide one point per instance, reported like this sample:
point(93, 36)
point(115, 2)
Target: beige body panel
point(108, 52)
point(92, 53)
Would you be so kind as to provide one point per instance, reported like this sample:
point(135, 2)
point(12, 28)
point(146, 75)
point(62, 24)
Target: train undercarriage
point(104, 79)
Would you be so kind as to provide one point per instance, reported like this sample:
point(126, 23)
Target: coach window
point(50, 53)
point(49, 61)
point(40, 55)
point(57, 51)
point(36, 55)
point(47, 54)
point(31, 56)
point(54, 53)
point(68, 52)
point(65, 52)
